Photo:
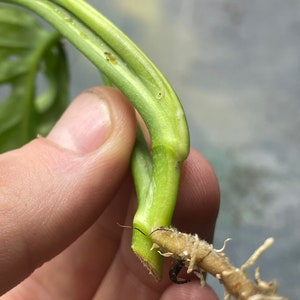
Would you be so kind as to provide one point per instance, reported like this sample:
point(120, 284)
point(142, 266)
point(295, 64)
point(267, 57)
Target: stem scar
point(110, 57)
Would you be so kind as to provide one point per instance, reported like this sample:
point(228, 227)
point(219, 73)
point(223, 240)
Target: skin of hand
point(62, 196)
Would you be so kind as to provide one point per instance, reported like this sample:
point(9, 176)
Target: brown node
point(174, 271)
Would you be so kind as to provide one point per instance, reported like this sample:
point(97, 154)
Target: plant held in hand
point(157, 170)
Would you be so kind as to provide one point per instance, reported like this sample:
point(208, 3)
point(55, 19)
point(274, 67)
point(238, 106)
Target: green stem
point(136, 76)
point(153, 87)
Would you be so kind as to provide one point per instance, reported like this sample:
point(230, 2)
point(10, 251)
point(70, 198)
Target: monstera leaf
point(33, 77)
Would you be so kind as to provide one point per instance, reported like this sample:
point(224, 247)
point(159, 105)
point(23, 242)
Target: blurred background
point(236, 68)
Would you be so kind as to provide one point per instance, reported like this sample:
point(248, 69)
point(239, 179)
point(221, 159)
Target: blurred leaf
point(33, 77)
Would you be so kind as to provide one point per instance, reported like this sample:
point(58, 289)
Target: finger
point(86, 261)
point(192, 290)
point(54, 188)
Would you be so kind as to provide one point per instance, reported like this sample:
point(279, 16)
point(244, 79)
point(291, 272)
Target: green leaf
point(29, 54)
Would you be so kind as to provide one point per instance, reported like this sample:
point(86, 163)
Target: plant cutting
point(156, 170)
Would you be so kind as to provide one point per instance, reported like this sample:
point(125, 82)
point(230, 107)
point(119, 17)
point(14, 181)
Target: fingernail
point(85, 125)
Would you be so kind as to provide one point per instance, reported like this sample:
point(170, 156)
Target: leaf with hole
point(33, 77)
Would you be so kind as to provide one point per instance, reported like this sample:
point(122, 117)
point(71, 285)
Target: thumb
point(54, 188)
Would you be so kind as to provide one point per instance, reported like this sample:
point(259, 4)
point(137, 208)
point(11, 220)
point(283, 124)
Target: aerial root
point(257, 253)
point(224, 245)
point(199, 256)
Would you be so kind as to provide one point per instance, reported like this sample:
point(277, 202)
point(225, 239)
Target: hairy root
point(198, 256)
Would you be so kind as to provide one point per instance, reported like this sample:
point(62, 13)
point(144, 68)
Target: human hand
point(62, 196)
